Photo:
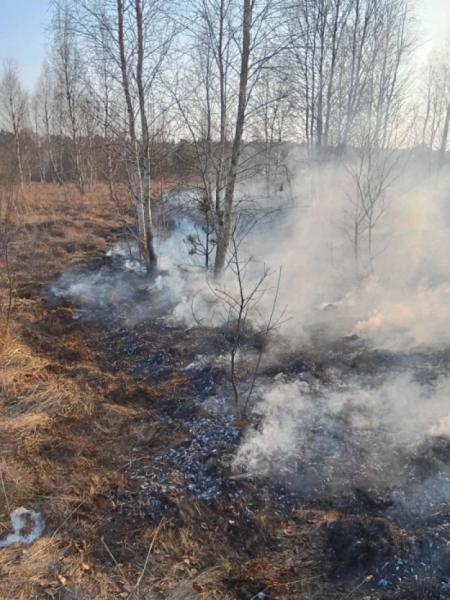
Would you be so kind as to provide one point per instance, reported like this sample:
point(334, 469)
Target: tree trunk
point(140, 178)
point(145, 170)
point(444, 138)
point(19, 158)
point(224, 228)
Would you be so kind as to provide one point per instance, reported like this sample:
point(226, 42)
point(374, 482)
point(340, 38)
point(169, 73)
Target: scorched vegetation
point(224, 305)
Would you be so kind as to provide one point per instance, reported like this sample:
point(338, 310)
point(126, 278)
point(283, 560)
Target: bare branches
point(241, 301)
point(14, 110)
point(372, 172)
point(9, 214)
point(350, 59)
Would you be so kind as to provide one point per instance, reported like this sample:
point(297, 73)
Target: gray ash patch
point(426, 560)
point(388, 559)
point(202, 460)
point(199, 466)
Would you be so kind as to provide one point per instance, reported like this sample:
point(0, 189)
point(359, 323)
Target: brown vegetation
point(68, 425)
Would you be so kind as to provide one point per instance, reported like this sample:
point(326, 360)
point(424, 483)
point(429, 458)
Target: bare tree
point(132, 40)
point(141, 157)
point(269, 117)
point(47, 109)
point(9, 215)
point(348, 67)
point(38, 138)
point(372, 172)
point(224, 212)
point(434, 104)
point(245, 319)
point(14, 109)
point(232, 48)
point(68, 69)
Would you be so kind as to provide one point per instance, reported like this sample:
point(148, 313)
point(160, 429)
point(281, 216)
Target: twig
point(132, 461)
point(240, 476)
point(365, 580)
point(266, 332)
point(4, 491)
point(113, 558)
point(286, 584)
point(144, 568)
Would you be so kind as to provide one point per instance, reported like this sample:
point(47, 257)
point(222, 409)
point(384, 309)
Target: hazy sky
point(23, 26)
point(434, 21)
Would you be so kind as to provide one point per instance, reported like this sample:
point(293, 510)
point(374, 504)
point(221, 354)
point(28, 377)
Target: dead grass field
point(67, 424)
point(56, 424)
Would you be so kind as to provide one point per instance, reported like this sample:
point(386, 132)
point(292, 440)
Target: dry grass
point(67, 428)
point(51, 463)
point(54, 423)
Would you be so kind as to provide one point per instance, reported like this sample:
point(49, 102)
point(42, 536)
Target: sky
point(433, 18)
point(24, 36)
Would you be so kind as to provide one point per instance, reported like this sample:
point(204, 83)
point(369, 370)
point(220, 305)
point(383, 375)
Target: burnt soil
point(141, 499)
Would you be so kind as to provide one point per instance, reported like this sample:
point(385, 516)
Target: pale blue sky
point(23, 31)
point(23, 35)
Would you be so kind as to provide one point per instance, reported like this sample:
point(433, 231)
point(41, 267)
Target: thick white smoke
point(405, 301)
point(307, 231)
point(347, 433)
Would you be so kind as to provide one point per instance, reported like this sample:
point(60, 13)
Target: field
point(74, 423)
point(107, 433)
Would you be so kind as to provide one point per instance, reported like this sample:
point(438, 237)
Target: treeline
point(126, 80)
point(51, 159)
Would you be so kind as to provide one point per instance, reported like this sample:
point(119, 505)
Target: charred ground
point(118, 434)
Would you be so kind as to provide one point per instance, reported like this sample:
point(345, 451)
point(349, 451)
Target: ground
point(106, 431)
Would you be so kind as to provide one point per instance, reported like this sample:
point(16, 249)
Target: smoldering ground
point(350, 411)
point(327, 440)
point(396, 299)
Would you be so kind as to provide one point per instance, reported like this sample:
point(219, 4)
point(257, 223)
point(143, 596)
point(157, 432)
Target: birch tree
point(348, 60)
point(225, 209)
point(133, 39)
point(14, 110)
point(68, 69)
point(435, 104)
point(234, 41)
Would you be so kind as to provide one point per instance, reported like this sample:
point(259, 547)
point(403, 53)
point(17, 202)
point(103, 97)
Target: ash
point(203, 461)
point(330, 429)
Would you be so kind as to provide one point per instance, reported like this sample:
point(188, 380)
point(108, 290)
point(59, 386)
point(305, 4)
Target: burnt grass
point(212, 532)
point(361, 546)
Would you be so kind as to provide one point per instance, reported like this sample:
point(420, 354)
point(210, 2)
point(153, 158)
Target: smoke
point(442, 428)
point(395, 294)
point(120, 288)
point(93, 289)
point(399, 298)
point(404, 302)
point(318, 436)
